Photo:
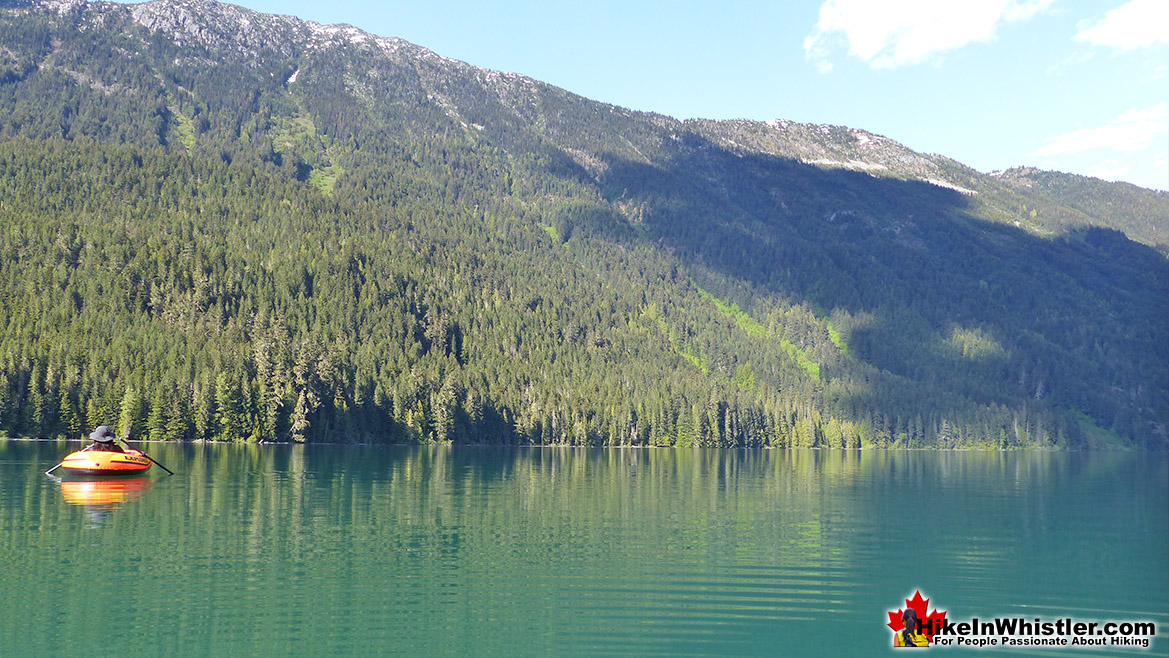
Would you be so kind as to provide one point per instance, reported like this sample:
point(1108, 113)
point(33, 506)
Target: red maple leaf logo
point(930, 623)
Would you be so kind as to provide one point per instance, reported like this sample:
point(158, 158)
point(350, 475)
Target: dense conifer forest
point(269, 230)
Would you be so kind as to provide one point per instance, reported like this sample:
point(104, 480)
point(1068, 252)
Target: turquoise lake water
point(341, 550)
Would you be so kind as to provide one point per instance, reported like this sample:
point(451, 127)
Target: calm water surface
point(330, 550)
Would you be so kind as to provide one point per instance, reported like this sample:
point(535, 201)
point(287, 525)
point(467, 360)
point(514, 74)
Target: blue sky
point(1070, 85)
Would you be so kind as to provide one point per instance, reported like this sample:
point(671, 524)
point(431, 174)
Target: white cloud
point(1133, 130)
point(1070, 62)
point(891, 33)
point(1136, 24)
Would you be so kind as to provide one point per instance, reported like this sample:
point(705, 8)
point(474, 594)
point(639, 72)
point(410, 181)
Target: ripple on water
point(326, 551)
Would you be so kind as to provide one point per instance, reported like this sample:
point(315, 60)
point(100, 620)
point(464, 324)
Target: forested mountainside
point(219, 224)
point(1136, 211)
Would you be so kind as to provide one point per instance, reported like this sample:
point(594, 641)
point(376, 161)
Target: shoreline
point(1032, 449)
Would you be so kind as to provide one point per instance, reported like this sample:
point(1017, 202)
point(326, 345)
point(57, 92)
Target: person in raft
point(103, 440)
point(908, 636)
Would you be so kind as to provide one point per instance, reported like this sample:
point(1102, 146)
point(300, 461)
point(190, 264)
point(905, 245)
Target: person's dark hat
point(102, 434)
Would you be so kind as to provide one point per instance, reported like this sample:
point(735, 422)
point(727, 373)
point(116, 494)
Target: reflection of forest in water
point(796, 496)
point(680, 544)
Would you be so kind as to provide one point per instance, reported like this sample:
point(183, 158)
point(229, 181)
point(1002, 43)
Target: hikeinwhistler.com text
point(1019, 632)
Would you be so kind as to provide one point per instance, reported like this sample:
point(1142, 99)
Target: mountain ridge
point(188, 17)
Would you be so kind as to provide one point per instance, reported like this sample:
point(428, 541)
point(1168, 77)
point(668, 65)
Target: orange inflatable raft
point(101, 462)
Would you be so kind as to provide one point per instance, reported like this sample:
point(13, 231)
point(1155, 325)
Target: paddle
point(127, 442)
point(50, 471)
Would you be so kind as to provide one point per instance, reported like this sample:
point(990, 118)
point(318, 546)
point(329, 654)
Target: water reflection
point(108, 493)
point(570, 551)
point(101, 497)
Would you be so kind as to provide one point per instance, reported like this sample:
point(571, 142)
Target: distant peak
point(227, 27)
point(60, 6)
